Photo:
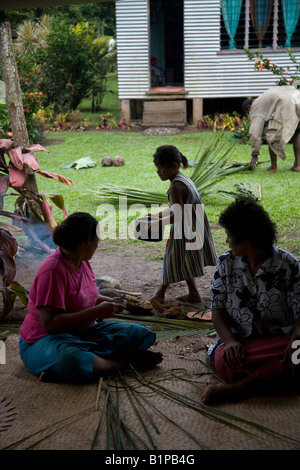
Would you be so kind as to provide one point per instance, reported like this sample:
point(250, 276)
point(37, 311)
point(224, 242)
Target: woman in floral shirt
point(255, 304)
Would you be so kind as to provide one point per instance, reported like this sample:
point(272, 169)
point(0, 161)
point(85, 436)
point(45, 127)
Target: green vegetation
point(110, 103)
point(62, 60)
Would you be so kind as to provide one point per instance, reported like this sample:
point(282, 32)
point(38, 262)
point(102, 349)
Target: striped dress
point(185, 259)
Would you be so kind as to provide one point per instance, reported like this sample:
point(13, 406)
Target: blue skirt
point(71, 357)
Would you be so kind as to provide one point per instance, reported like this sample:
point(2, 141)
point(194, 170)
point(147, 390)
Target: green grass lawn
point(280, 191)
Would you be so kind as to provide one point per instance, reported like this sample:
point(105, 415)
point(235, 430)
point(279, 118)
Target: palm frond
point(167, 328)
point(212, 164)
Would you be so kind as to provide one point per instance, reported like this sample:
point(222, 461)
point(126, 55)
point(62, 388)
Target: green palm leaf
point(211, 164)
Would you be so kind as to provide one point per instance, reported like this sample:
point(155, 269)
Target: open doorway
point(166, 43)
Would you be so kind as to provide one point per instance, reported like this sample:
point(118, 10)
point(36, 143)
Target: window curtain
point(261, 12)
point(231, 10)
point(291, 13)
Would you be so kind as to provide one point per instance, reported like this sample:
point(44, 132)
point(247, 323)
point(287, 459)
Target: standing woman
point(190, 246)
point(60, 338)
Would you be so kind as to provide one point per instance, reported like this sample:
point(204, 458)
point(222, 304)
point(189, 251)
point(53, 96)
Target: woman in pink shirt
point(60, 338)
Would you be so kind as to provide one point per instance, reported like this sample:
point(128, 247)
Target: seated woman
point(255, 305)
point(60, 338)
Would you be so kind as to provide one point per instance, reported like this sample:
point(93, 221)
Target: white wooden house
point(198, 46)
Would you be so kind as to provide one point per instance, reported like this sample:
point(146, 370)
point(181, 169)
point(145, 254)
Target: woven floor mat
point(157, 409)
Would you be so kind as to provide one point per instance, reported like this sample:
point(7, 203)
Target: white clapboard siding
point(207, 72)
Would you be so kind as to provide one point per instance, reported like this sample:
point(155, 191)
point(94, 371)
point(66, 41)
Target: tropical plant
point(102, 64)
point(287, 75)
point(31, 36)
point(32, 98)
point(242, 132)
point(107, 121)
point(71, 63)
point(5, 128)
point(221, 121)
point(30, 209)
point(210, 165)
point(66, 65)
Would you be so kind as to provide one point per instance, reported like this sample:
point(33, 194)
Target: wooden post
point(125, 110)
point(197, 110)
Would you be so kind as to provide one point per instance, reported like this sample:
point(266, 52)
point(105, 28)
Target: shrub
point(221, 121)
point(66, 65)
point(286, 74)
point(5, 128)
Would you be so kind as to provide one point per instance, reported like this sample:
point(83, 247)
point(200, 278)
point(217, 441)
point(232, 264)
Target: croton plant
point(17, 166)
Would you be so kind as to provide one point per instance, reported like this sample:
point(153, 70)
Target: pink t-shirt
point(57, 284)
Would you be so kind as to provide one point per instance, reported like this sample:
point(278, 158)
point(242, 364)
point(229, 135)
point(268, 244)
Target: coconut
point(106, 161)
point(118, 161)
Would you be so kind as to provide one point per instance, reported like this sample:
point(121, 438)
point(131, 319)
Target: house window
point(260, 24)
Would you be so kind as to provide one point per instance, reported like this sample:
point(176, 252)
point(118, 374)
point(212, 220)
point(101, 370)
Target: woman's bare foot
point(159, 296)
point(271, 168)
point(159, 299)
point(295, 168)
point(147, 359)
point(253, 163)
point(219, 392)
point(42, 377)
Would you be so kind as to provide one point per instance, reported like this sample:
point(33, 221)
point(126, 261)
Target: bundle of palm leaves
point(211, 164)
point(141, 396)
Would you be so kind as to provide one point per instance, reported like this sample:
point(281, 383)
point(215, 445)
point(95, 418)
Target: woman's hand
point(106, 298)
point(234, 354)
point(108, 309)
point(233, 351)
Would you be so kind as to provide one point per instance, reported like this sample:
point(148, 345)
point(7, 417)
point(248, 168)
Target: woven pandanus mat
point(157, 409)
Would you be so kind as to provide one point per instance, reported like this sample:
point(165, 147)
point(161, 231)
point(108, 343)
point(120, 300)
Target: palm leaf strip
point(216, 413)
point(101, 418)
point(73, 418)
point(130, 397)
point(167, 418)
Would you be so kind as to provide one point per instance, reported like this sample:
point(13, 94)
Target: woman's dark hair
point(166, 155)
point(75, 229)
point(247, 220)
point(246, 104)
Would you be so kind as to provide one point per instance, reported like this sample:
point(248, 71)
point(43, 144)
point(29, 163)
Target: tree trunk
point(12, 87)
point(13, 97)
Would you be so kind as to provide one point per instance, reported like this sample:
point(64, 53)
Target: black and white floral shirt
point(264, 304)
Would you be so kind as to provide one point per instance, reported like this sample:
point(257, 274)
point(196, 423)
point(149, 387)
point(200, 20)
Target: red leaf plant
point(31, 210)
